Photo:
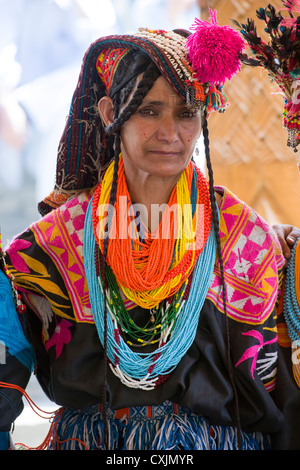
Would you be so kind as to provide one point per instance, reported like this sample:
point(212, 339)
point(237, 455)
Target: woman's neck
point(151, 194)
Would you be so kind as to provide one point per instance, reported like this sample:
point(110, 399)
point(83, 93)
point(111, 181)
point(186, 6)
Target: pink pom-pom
point(213, 50)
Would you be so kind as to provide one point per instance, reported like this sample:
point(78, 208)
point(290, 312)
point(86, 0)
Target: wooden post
point(204, 9)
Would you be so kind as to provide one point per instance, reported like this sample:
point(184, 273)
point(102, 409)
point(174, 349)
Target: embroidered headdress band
point(173, 49)
point(107, 63)
point(192, 64)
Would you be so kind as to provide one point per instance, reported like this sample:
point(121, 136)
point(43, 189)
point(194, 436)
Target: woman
point(151, 295)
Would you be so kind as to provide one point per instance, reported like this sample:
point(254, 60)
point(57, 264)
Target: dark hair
point(220, 259)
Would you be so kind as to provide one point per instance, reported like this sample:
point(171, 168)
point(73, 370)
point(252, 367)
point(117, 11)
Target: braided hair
point(216, 225)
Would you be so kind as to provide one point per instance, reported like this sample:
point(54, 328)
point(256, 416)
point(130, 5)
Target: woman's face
point(159, 139)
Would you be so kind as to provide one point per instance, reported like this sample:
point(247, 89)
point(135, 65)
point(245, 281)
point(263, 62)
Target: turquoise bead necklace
point(138, 369)
point(291, 306)
point(160, 317)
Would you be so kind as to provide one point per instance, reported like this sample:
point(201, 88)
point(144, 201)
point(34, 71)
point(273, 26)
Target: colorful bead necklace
point(175, 311)
point(159, 318)
point(144, 370)
point(292, 294)
point(152, 270)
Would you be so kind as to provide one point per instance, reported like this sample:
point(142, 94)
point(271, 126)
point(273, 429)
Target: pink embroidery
point(60, 234)
point(60, 337)
point(251, 263)
point(17, 261)
point(253, 351)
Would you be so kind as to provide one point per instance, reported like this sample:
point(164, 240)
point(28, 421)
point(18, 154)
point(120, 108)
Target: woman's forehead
point(162, 92)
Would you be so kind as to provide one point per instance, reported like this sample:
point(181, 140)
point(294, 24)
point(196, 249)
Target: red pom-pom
point(213, 50)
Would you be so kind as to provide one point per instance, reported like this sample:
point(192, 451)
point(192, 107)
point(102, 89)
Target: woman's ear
point(106, 110)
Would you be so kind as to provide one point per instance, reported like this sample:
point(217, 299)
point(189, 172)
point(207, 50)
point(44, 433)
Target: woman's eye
point(146, 112)
point(189, 114)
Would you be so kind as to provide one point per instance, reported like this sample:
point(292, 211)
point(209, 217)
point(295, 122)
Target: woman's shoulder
point(252, 259)
point(244, 231)
point(47, 259)
point(70, 207)
point(68, 216)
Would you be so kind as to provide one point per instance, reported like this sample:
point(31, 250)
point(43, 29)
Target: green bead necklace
point(160, 318)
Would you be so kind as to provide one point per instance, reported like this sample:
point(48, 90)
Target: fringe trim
point(79, 430)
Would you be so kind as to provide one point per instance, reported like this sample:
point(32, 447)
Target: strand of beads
point(156, 268)
point(161, 317)
point(291, 304)
point(143, 370)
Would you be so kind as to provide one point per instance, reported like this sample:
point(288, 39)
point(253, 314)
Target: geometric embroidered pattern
point(248, 247)
point(250, 266)
point(60, 235)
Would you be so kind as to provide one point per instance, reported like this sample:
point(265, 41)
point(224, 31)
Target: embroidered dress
point(47, 262)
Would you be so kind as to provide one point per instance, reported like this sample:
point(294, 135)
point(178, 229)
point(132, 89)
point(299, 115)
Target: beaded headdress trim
point(174, 47)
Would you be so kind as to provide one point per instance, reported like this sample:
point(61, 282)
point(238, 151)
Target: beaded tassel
point(291, 300)
point(292, 125)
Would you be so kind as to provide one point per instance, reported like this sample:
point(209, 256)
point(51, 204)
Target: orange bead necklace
point(155, 268)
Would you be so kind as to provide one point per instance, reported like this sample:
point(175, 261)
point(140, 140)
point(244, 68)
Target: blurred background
point(42, 43)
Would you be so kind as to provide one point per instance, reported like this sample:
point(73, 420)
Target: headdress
point(196, 66)
point(280, 57)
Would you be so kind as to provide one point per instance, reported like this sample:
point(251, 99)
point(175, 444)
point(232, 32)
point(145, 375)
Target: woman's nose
point(167, 130)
